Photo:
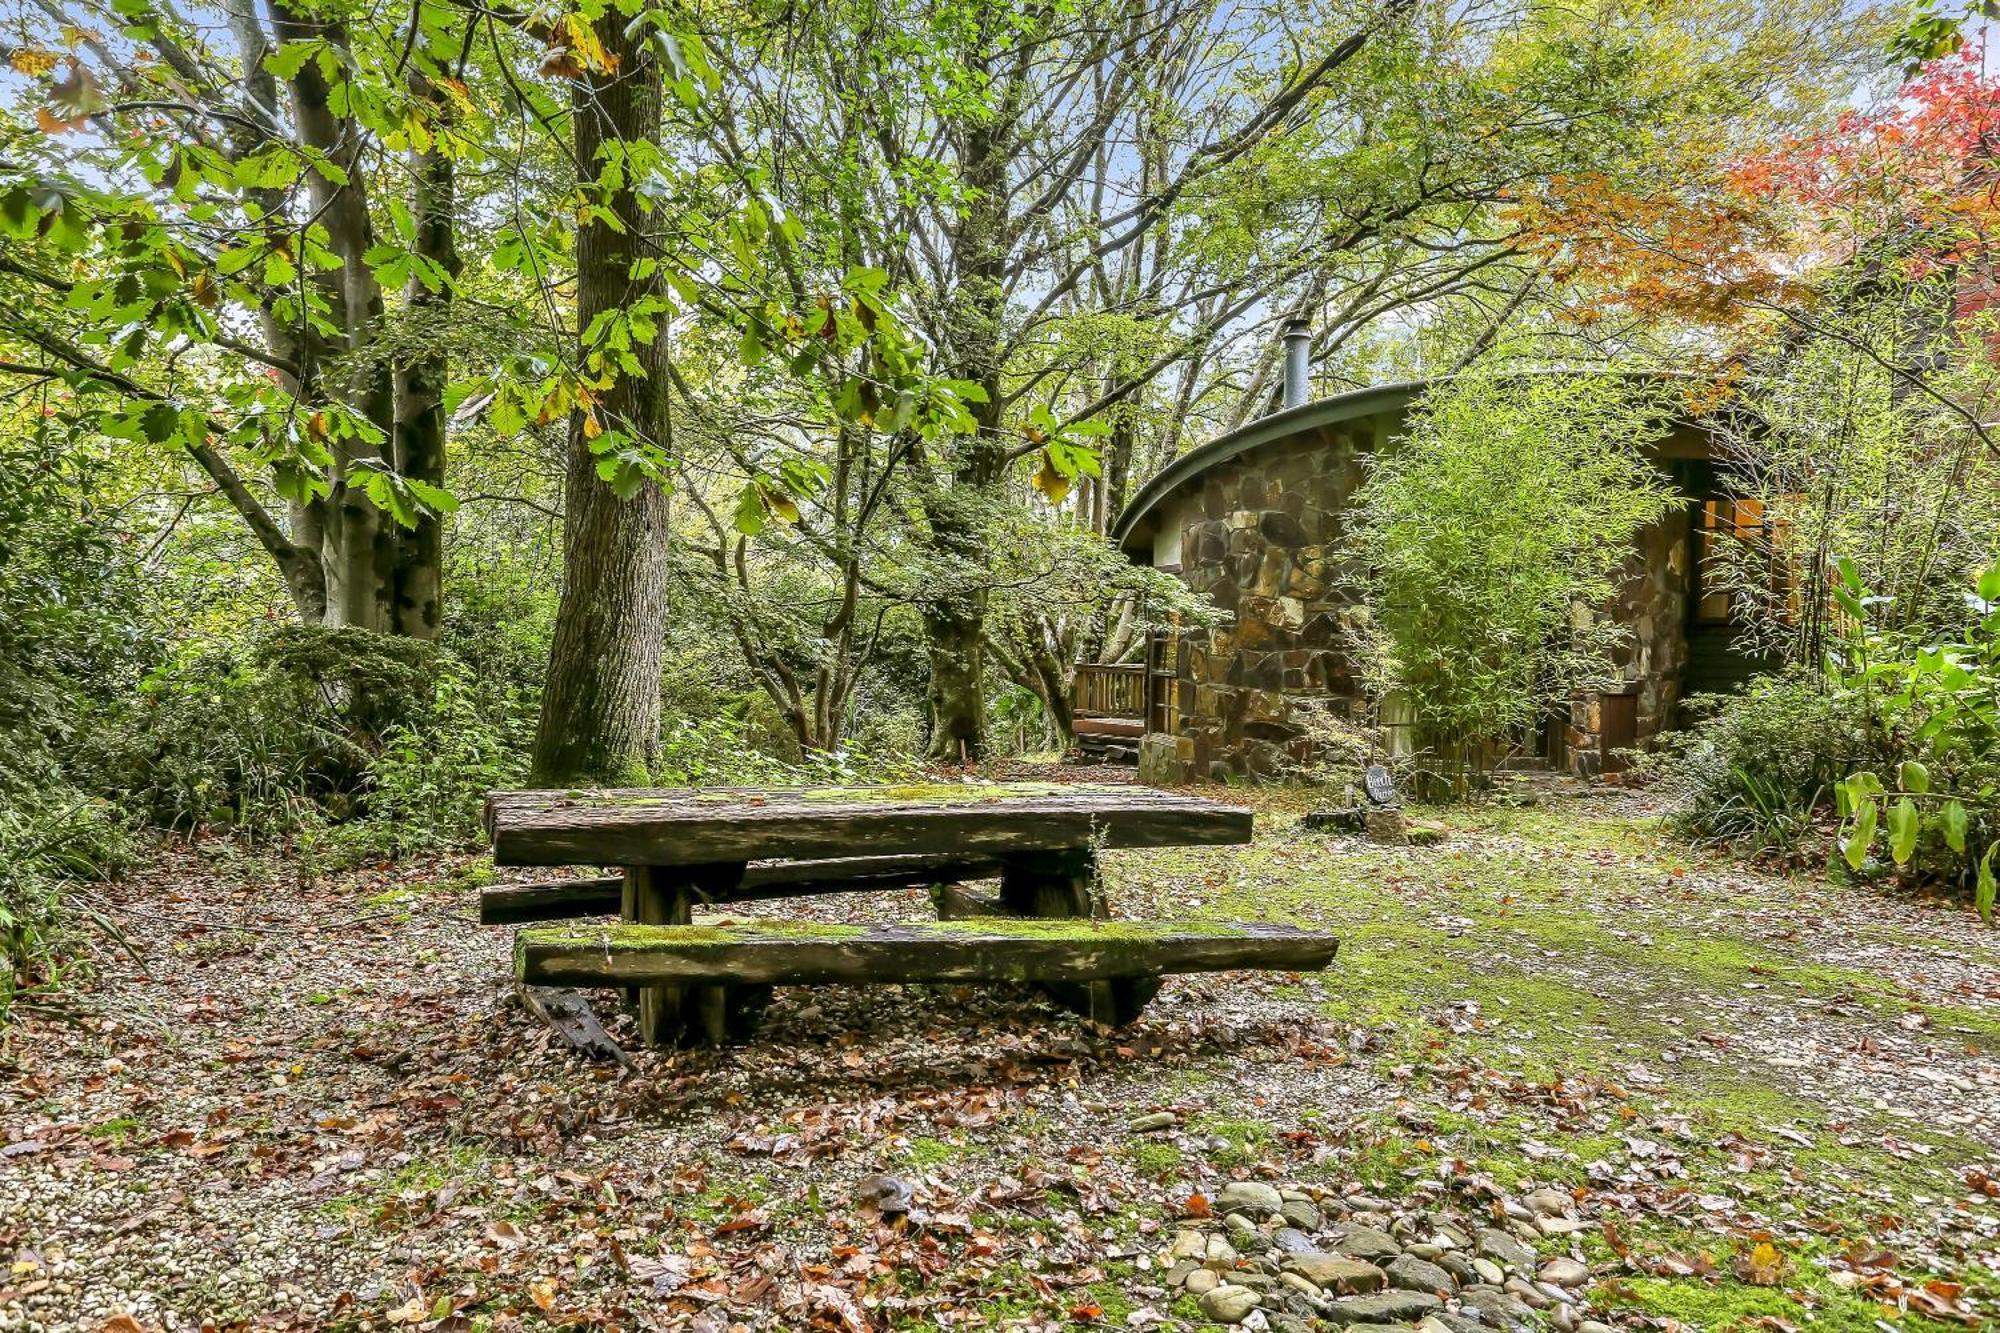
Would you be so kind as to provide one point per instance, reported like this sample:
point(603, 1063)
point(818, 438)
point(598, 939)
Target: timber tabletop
point(721, 825)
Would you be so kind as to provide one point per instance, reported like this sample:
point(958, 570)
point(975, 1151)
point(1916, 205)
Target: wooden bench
point(1063, 953)
point(510, 904)
point(680, 848)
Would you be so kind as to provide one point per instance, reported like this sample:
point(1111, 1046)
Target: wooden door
point(1617, 730)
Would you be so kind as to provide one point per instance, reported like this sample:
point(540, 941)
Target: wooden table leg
point(659, 896)
point(1052, 884)
point(689, 1015)
point(1065, 884)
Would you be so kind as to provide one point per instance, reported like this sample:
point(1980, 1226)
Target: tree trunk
point(600, 719)
point(955, 636)
point(1055, 682)
point(972, 347)
point(420, 385)
point(420, 423)
point(359, 553)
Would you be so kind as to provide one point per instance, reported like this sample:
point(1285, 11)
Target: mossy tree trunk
point(600, 719)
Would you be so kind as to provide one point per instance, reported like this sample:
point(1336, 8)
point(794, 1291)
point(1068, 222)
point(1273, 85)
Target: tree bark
point(359, 552)
point(600, 720)
point(955, 626)
point(420, 386)
point(955, 638)
point(1054, 675)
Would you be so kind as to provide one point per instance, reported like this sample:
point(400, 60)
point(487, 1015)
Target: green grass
point(114, 1131)
point(926, 1153)
point(1246, 1140)
point(1154, 1158)
point(1592, 944)
point(1727, 1306)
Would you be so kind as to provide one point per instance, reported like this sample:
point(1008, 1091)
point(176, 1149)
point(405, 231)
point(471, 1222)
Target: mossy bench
point(1115, 964)
point(556, 900)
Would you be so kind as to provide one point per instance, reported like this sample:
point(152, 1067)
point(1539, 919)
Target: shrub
point(1933, 705)
point(425, 788)
point(48, 847)
point(72, 633)
point(310, 725)
point(1898, 733)
point(718, 750)
point(1762, 763)
point(1511, 503)
point(261, 737)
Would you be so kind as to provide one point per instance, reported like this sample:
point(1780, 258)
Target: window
point(1726, 526)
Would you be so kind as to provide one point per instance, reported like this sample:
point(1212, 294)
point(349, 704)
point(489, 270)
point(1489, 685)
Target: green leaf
point(1954, 826)
point(17, 213)
point(1903, 831)
point(1983, 895)
point(1850, 574)
point(161, 423)
point(625, 471)
point(1859, 835)
point(866, 280)
point(1913, 776)
point(298, 483)
point(851, 402)
point(391, 264)
point(505, 414)
point(290, 58)
point(269, 169)
point(329, 170)
point(434, 498)
point(751, 514)
point(388, 496)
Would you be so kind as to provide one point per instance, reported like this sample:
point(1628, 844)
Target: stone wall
point(1652, 604)
point(1261, 536)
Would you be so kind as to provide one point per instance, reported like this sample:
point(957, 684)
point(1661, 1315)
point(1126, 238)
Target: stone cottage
point(1255, 520)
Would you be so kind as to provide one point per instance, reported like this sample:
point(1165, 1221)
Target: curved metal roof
point(1264, 430)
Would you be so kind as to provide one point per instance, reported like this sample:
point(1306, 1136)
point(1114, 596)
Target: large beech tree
point(601, 706)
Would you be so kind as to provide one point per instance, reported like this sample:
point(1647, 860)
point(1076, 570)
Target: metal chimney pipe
point(1298, 354)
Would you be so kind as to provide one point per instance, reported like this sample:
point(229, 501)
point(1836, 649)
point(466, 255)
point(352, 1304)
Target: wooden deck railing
point(1109, 690)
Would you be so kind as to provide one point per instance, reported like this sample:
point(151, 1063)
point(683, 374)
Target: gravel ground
point(319, 1106)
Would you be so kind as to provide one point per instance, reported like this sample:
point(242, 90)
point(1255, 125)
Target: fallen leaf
point(1762, 1267)
point(506, 1235)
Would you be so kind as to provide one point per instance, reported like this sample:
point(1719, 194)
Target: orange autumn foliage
point(1911, 187)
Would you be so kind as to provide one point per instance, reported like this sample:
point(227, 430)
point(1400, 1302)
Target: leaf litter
point(341, 1119)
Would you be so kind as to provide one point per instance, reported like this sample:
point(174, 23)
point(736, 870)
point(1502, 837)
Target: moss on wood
point(943, 793)
point(1080, 929)
point(645, 937)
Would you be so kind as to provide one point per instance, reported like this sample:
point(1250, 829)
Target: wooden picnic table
point(683, 847)
point(737, 825)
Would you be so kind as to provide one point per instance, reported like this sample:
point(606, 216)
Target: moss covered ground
point(1775, 1099)
point(1567, 993)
